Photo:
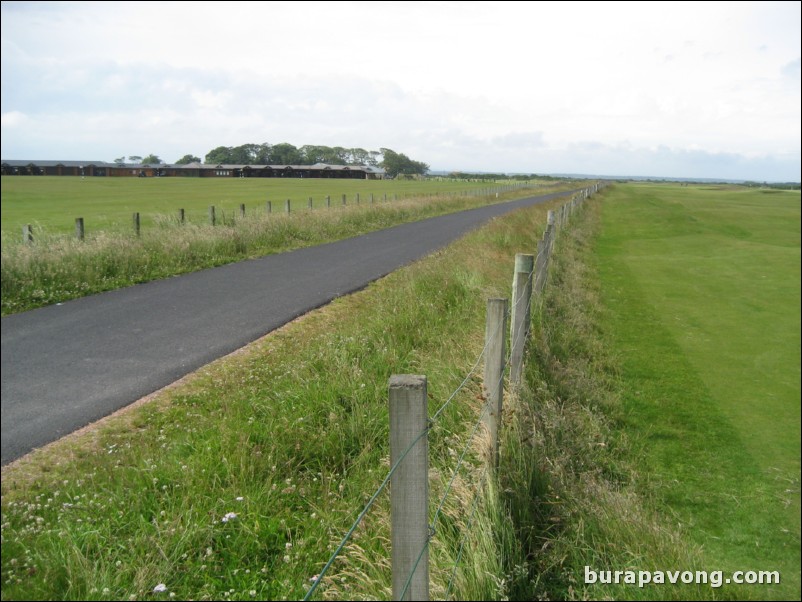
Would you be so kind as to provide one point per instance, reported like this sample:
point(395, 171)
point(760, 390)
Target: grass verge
point(605, 481)
point(58, 268)
point(290, 436)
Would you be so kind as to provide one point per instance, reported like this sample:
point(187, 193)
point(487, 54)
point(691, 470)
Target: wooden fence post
point(520, 313)
point(269, 207)
point(344, 201)
point(242, 210)
point(27, 234)
point(310, 203)
point(550, 231)
point(328, 201)
point(495, 339)
point(137, 230)
point(357, 198)
point(287, 206)
point(79, 228)
point(212, 216)
point(181, 216)
point(540, 264)
point(409, 487)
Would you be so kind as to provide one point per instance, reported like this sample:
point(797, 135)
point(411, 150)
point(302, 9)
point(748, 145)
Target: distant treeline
point(775, 185)
point(461, 175)
point(288, 154)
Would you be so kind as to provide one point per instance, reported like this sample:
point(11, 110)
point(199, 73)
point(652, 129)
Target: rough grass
point(58, 268)
point(296, 426)
point(291, 436)
point(51, 203)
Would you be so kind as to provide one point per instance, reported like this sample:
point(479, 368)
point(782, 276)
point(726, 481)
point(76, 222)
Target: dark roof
point(315, 167)
point(17, 163)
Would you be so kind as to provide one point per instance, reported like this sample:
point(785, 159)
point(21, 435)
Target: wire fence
point(524, 291)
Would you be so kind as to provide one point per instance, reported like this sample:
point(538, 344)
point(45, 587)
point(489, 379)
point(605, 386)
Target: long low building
point(190, 170)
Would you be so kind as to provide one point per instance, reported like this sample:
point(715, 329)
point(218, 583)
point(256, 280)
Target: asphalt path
point(67, 365)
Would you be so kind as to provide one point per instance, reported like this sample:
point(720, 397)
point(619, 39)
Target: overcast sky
point(672, 89)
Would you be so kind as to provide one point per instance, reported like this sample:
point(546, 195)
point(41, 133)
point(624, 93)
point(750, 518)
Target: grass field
point(701, 287)
point(58, 267)
point(291, 436)
point(52, 203)
point(622, 450)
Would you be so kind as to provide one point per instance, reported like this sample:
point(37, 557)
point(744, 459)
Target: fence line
point(27, 230)
point(407, 579)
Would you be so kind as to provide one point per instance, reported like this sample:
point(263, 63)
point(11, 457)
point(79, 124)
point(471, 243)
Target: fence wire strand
point(363, 513)
point(532, 277)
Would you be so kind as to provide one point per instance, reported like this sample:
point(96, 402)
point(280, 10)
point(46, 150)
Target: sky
point(662, 89)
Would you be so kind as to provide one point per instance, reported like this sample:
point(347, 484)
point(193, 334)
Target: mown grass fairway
point(107, 203)
point(702, 291)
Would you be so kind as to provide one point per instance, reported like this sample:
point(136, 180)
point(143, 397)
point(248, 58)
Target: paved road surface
point(65, 366)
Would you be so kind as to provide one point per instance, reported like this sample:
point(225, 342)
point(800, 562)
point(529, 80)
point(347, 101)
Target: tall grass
point(56, 268)
point(291, 436)
point(574, 483)
point(287, 439)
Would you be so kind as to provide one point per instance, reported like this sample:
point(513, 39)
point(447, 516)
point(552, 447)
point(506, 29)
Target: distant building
point(191, 170)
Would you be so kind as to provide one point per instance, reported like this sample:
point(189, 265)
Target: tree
point(398, 163)
point(186, 159)
point(119, 160)
point(285, 154)
point(135, 159)
point(151, 159)
point(358, 156)
point(219, 155)
point(263, 154)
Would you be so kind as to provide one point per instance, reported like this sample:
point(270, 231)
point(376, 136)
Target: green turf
point(702, 288)
point(53, 202)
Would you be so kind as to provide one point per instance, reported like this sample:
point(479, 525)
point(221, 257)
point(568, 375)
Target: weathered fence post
point(181, 216)
point(385, 197)
point(550, 232)
point(310, 203)
point(269, 206)
point(27, 234)
point(357, 198)
point(212, 216)
point(242, 210)
point(328, 201)
point(540, 265)
point(137, 230)
point(287, 206)
point(79, 228)
point(495, 338)
point(409, 487)
point(371, 198)
point(520, 313)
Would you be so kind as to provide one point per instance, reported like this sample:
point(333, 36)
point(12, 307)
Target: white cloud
point(13, 119)
point(483, 85)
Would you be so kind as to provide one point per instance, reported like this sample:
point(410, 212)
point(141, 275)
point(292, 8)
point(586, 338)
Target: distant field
point(53, 203)
point(702, 292)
